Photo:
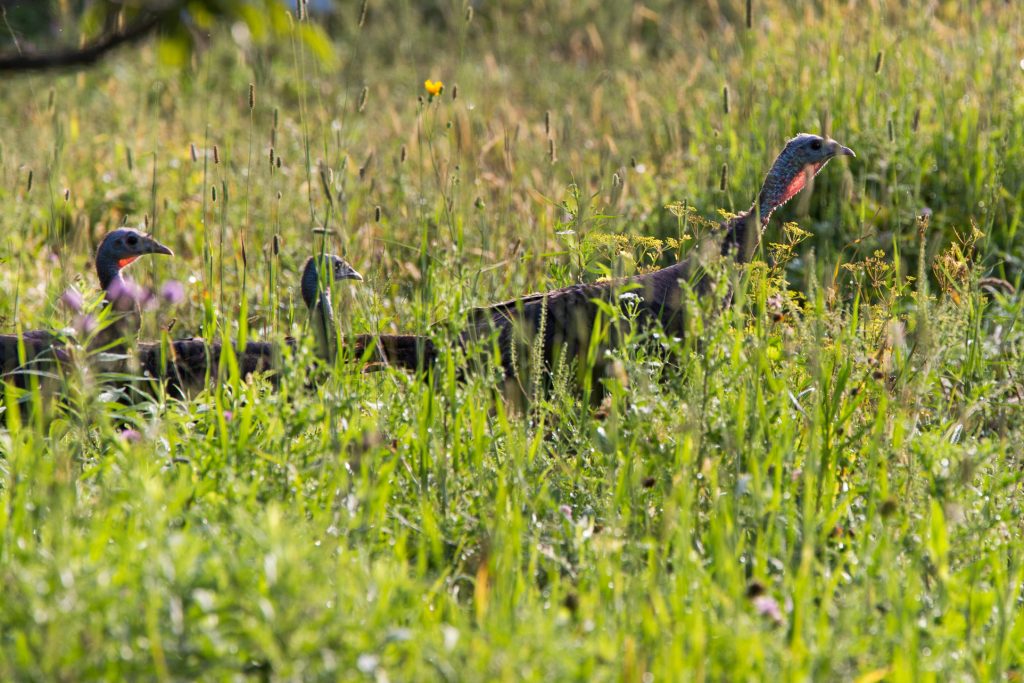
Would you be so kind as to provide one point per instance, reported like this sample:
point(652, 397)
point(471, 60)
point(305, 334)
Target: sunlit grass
point(821, 481)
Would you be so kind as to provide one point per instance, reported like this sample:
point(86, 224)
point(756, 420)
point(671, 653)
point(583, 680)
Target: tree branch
point(83, 56)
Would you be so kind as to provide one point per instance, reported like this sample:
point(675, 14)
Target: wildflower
point(72, 298)
point(768, 607)
point(173, 292)
point(85, 324)
point(131, 435)
point(433, 88)
point(123, 294)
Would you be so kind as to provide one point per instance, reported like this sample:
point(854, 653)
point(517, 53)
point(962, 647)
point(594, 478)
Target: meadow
point(822, 482)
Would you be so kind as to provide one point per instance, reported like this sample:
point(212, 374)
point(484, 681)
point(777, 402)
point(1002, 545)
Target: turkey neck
point(785, 179)
point(743, 232)
point(115, 287)
point(109, 272)
point(743, 235)
point(318, 302)
point(119, 295)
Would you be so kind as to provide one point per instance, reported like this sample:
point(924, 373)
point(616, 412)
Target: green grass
point(821, 482)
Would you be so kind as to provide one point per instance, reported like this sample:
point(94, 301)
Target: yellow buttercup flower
point(434, 88)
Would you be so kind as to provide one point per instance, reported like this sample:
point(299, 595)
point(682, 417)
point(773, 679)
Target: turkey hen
point(565, 317)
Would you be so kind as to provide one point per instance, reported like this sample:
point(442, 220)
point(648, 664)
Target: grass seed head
point(325, 181)
point(616, 192)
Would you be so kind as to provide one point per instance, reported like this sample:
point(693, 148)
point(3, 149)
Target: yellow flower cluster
point(434, 88)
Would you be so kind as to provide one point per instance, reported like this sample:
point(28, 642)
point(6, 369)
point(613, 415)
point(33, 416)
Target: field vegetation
point(822, 481)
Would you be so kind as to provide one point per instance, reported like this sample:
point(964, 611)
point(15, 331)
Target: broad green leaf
point(315, 38)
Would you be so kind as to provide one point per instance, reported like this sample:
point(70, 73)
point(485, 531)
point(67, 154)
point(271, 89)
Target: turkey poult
point(566, 316)
point(118, 249)
point(189, 365)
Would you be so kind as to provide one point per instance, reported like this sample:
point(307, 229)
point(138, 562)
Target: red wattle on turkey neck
point(799, 181)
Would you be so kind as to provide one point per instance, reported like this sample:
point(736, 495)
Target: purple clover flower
point(172, 292)
point(131, 436)
point(72, 299)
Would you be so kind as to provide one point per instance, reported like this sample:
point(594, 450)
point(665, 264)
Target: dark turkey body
point(565, 318)
point(43, 352)
point(561, 321)
point(190, 365)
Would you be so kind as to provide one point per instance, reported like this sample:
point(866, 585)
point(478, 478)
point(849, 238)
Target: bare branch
point(84, 56)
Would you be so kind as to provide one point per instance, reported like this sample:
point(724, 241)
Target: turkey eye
point(132, 240)
point(816, 145)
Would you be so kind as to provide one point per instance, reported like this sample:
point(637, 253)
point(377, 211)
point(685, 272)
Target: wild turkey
point(188, 365)
point(566, 316)
point(41, 348)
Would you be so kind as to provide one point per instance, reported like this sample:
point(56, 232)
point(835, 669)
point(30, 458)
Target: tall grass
point(822, 480)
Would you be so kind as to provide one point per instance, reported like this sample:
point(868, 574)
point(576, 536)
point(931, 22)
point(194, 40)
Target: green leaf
point(256, 20)
point(174, 49)
point(316, 40)
point(938, 540)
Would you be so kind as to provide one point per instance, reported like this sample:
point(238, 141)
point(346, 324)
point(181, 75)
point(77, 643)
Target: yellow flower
point(434, 88)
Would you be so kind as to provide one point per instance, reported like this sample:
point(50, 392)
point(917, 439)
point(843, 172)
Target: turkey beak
point(151, 246)
point(353, 274)
point(842, 151)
